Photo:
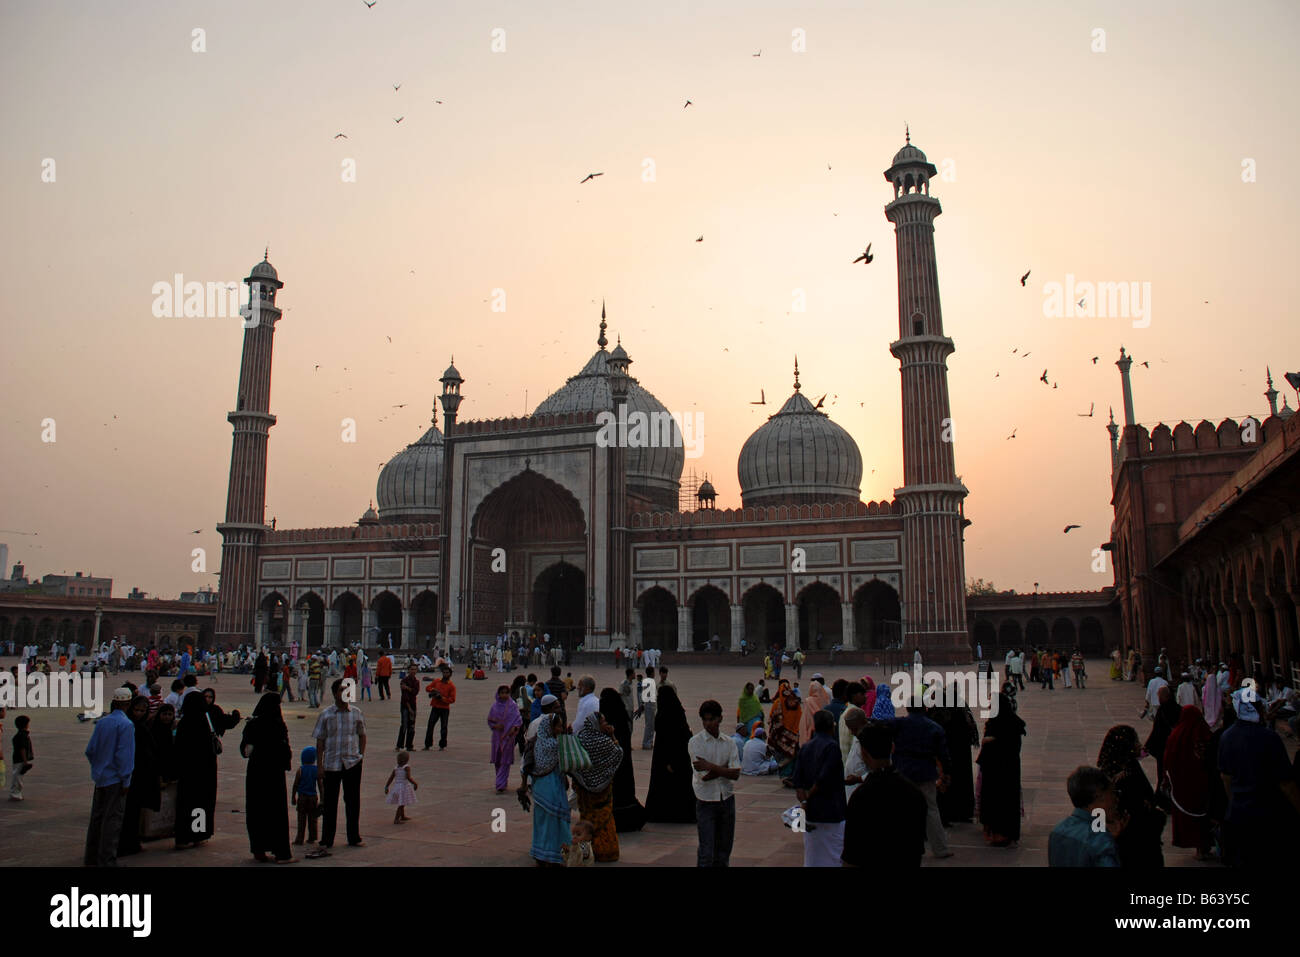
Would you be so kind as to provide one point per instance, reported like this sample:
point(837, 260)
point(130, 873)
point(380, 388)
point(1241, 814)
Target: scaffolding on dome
point(687, 494)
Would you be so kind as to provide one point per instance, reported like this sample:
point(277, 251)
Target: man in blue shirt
point(920, 748)
point(1087, 837)
point(819, 784)
point(111, 753)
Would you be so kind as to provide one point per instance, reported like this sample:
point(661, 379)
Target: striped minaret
point(934, 569)
point(244, 528)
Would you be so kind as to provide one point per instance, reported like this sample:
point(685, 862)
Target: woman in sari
point(1189, 788)
point(748, 711)
point(549, 802)
point(1138, 844)
point(786, 709)
point(818, 698)
point(196, 765)
point(671, 798)
point(767, 665)
point(629, 815)
point(1116, 672)
point(144, 791)
point(266, 803)
point(999, 761)
point(505, 722)
point(869, 705)
point(594, 786)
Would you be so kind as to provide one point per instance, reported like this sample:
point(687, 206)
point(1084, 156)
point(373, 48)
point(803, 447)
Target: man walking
point(315, 670)
point(340, 745)
point(716, 765)
point(819, 785)
point(410, 691)
point(111, 753)
point(442, 695)
point(384, 672)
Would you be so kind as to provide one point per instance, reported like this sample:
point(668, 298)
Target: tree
point(978, 586)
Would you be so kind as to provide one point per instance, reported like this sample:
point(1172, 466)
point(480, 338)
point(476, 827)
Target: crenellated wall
point(768, 513)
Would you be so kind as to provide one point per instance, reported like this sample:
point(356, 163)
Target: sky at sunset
point(1117, 166)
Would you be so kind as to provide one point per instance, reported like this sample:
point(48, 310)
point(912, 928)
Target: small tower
point(934, 583)
point(706, 494)
point(450, 398)
point(245, 526)
point(1271, 393)
point(1125, 362)
point(1113, 429)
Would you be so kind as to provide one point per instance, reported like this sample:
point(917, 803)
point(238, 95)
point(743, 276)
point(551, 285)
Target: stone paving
point(452, 824)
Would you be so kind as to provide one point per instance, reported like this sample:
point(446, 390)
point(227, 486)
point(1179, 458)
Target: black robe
point(196, 767)
point(1138, 845)
point(629, 815)
point(999, 762)
point(266, 800)
point(958, 802)
point(671, 799)
point(143, 793)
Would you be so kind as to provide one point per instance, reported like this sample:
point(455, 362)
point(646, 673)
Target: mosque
point(534, 524)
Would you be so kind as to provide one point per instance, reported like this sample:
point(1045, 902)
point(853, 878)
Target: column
point(99, 614)
point(636, 628)
point(369, 624)
point(297, 626)
point(737, 626)
point(408, 632)
point(683, 628)
point(846, 617)
point(1266, 651)
point(791, 626)
point(331, 628)
point(259, 629)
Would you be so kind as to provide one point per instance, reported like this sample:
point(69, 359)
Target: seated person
point(753, 757)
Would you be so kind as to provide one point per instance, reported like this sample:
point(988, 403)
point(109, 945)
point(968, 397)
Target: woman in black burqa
point(671, 799)
point(629, 815)
point(144, 791)
point(999, 761)
point(266, 803)
point(196, 767)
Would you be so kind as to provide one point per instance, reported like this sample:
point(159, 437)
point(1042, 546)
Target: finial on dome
point(908, 131)
point(601, 340)
point(267, 254)
point(796, 373)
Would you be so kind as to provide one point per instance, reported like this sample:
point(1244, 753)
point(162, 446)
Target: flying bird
point(819, 402)
point(340, 136)
point(1081, 302)
point(589, 176)
point(1025, 356)
point(396, 87)
point(1293, 378)
point(369, 3)
point(197, 531)
point(1146, 365)
point(759, 53)
point(688, 103)
point(1013, 434)
point(1068, 527)
point(699, 239)
point(1025, 276)
point(1043, 378)
point(1088, 414)
point(865, 258)
point(402, 406)
point(1094, 359)
point(762, 398)
point(390, 338)
point(317, 368)
point(996, 374)
point(400, 118)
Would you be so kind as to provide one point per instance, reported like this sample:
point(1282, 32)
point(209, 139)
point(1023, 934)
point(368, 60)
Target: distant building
point(137, 595)
point(77, 586)
point(1206, 537)
point(204, 596)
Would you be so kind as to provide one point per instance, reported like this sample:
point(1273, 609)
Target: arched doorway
point(1091, 639)
point(275, 619)
point(425, 613)
point(710, 615)
point(1009, 635)
point(5, 629)
point(821, 625)
point(85, 634)
point(45, 632)
point(658, 619)
point(877, 616)
point(764, 617)
point(388, 621)
point(985, 636)
point(24, 633)
point(560, 604)
point(1036, 633)
point(1063, 635)
point(312, 605)
point(348, 607)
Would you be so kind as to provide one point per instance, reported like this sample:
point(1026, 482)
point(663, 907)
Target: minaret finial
point(796, 373)
point(601, 340)
point(267, 254)
point(908, 130)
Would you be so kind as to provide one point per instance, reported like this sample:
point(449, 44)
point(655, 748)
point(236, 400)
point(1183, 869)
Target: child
point(579, 853)
point(22, 756)
point(402, 787)
point(306, 795)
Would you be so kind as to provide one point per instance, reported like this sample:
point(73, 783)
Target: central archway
point(710, 615)
point(560, 604)
point(877, 616)
point(821, 626)
point(658, 610)
point(764, 617)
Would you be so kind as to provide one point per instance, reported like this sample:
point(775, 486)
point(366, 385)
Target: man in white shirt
point(588, 702)
point(1153, 693)
point(1187, 692)
point(1016, 667)
point(716, 765)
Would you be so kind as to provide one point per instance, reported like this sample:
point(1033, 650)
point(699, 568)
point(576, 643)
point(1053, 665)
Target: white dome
point(799, 456)
point(410, 485)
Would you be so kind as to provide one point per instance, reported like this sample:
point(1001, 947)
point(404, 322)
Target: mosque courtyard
point(453, 823)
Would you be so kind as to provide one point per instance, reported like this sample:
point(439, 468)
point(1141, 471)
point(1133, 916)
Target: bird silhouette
point(317, 368)
point(996, 374)
point(1024, 277)
point(759, 53)
point(1081, 302)
point(762, 398)
point(396, 87)
point(1043, 378)
point(403, 405)
point(439, 102)
point(389, 338)
point(699, 239)
point(340, 136)
point(866, 256)
point(197, 531)
point(1014, 351)
point(1025, 356)
point(1094, 359)
point(400, 118)
point(688, 103)
point(1088, 414)
point(369, 3)
point(589, 176)
point(1013, 434)
point(1068, 527)
point(819, 402)
point(1146, 365)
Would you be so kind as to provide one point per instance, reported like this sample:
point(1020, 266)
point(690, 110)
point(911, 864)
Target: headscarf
point(1006, 726)
point(1212, 698)
point(818, 698)
point(670, 716)
point(1183, 758)
point(604, 752)
point(882, 709)
point(748, 707)
point(546, 750)
point(1246, 710)
point(268, 706)
point(1119, 750)
point(505, 713)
